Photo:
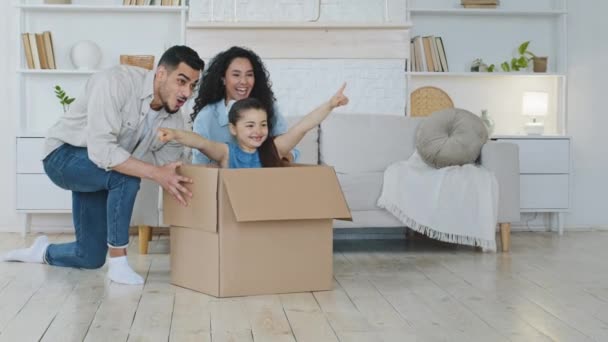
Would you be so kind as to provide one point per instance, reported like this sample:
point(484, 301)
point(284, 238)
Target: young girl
point(249, 126)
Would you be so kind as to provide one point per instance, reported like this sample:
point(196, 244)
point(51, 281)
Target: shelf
point(44, 211)
point(91, 8)
point(486, 12)
point(23, 133)
point(483, 74)
point(295, 25)
point(529, 136)
point(57, 71)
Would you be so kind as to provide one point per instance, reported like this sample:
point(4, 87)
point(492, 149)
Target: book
point(420, 57)
point(442, 57)
point(50, 51)
point(479, 6)
point(428, 54)
point(479, 2)
point(41, 51)
point(434, 54)
point(27, 51)
point(413, 62)
point(34, 48)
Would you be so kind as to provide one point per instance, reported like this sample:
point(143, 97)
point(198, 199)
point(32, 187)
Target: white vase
point(85, 55)
point(487, 121)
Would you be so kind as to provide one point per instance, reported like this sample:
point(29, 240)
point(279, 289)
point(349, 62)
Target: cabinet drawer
point(29, 155)
point(544, 191)
point(543, 155)
point(37, 192)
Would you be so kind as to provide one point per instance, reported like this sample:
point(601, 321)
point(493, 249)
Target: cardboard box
point(255, 231)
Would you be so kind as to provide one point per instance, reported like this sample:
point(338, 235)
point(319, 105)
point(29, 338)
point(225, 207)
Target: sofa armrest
point(503, 160)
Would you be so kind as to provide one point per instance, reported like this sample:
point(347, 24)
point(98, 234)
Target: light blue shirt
point(239, 159)
point(212, 123)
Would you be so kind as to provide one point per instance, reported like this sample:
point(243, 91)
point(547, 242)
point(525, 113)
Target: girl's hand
point(166, 134)
point(339, 99)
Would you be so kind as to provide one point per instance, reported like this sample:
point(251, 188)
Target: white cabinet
point(544, 163)
point(135, 30)
point(36, 192)
point(494, 35)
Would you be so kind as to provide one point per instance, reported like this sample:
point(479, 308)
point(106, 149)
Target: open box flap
point(287, 193)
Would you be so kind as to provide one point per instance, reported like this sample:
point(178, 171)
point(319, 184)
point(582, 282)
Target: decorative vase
point(540, 64)
point(479, 66)
point(85, 55)
point(487, 121)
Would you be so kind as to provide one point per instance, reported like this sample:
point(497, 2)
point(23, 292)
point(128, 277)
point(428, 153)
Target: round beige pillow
point(451, 137)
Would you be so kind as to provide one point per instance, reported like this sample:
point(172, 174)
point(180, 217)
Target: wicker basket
point(426, 100)
point(142, 61)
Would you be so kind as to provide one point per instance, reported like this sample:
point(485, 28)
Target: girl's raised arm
point(214, 150)
point(286, 142)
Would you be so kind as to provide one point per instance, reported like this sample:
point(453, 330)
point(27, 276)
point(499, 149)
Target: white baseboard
point(60, 226)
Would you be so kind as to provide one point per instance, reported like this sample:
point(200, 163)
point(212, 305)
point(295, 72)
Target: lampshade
point(535, 103)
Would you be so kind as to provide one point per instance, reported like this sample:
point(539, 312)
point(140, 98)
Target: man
point(96, 151)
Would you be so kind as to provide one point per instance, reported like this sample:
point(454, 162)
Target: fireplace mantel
point(302, 40)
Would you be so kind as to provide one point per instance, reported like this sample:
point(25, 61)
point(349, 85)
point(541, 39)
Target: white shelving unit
point(135, 30)
point(494, 35)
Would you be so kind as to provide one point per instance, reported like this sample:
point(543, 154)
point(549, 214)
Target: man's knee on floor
point(94, 260)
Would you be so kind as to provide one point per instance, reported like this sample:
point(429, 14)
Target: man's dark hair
point(181, 54)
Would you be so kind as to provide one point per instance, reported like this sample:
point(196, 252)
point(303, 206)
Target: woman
point(233, 75)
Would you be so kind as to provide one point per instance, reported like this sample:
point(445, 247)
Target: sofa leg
point(145, 233)
point(505, 236)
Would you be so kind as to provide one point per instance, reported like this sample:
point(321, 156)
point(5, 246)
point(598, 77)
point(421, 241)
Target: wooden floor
point(547, 288)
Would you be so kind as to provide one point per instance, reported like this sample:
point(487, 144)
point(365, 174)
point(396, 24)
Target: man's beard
point(168, 110)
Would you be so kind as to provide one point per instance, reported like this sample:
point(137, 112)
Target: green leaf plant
point(517, 63)
point(64, 99)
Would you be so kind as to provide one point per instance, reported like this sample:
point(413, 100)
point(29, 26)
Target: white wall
point(587, 118)
point(8, 91)
point(588, 111)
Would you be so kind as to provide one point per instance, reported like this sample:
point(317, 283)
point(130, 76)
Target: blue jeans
point(102, 205)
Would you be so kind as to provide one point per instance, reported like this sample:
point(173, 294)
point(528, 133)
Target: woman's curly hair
point(212, 88)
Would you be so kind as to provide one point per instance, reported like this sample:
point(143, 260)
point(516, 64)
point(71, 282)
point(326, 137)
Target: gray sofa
point(361, 146)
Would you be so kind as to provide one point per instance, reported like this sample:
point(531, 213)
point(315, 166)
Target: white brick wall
point(298, 10)
point(374, 86)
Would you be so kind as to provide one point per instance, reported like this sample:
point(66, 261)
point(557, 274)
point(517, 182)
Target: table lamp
point(535, 105)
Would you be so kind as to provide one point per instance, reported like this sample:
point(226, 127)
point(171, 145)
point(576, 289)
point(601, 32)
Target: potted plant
point(524, 59)
point(539, 63)
point(64, 99)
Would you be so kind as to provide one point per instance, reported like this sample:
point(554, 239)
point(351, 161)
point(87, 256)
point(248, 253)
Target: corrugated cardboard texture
point(201, 212)
point(194, 260)
point(273, 256)
point(282, 241)
point(288, 193)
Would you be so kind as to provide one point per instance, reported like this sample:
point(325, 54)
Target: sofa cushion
point(361, 190)
point(309, 146)
point(353, 143)
point(451, 137)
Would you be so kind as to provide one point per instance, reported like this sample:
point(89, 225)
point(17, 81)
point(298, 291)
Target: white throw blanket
point(457, 204)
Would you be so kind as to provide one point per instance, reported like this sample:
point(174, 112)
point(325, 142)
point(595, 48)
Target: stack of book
point(151, 2)
point(428, 54)
point(39, 52)
point(479, 3)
